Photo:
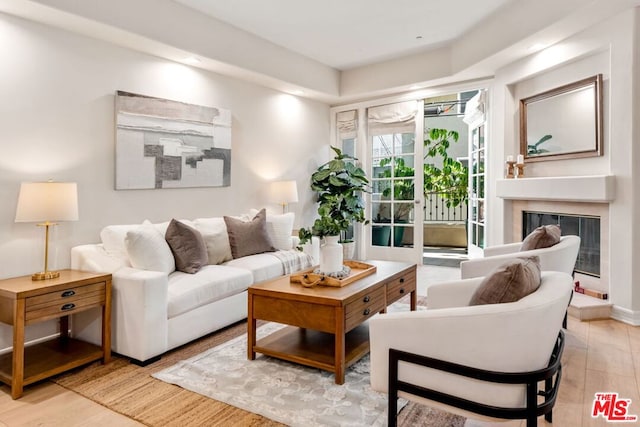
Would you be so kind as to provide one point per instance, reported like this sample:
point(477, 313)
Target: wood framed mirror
point(563, 123)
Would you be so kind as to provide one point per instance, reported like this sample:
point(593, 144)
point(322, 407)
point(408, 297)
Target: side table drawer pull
point(366, 299)
point(366, 312)
point(402, 290)
point(402, 280)
point(69, 293)
point(69, 306)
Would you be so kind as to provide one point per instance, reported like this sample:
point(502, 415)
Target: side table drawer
point(400, 287)
point(68, 301)
point(364, 307)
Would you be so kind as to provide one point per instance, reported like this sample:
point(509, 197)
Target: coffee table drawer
point(400, 287)
point(364, 307)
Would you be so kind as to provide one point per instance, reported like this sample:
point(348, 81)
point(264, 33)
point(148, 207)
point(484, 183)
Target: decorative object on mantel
point(520, 166)
point(590, 292)
point(510, 174)
point(564, 122)
point(170, 144)
point(46, 203)
point(311, 277)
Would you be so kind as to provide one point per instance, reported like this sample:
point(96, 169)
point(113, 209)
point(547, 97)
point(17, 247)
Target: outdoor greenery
point(339, 184)
point(450, 179)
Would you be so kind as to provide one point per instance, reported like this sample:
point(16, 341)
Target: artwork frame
point(572, 113)
point(162, 143)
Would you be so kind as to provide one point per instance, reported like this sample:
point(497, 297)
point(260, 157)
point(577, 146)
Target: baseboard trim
point(31, 342)
point(625, 315)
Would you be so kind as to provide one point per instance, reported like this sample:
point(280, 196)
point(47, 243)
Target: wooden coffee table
point(327, 324)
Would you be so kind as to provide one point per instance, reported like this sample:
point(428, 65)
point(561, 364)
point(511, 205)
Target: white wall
point(606, 48)
point(57, 121)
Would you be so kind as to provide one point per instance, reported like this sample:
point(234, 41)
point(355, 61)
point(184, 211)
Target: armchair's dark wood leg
point(393, 389)
point(532, 403)
point(548, 385)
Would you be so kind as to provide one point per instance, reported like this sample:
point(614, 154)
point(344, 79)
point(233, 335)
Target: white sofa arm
point(139, 314)
point(452, 294)
point(93, 257)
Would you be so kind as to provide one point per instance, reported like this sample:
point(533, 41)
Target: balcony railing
point(436, 210)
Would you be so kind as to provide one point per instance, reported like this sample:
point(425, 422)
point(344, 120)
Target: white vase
point(331, 255)
point(348, 249)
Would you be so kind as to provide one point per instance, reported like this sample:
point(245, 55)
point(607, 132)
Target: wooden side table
point(23, 302)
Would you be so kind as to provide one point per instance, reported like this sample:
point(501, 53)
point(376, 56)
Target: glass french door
point(395, 201)
point(476, 228)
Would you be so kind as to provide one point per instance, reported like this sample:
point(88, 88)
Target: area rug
point(289, 393)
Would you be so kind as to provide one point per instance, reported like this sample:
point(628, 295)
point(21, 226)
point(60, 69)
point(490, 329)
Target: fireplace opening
point(587, 227)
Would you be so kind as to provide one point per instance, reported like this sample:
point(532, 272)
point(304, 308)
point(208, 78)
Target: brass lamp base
point(45, 275)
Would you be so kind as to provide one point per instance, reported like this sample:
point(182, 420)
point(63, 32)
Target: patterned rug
point(292, 394)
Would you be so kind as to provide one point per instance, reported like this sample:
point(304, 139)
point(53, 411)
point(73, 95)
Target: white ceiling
point(348, 33)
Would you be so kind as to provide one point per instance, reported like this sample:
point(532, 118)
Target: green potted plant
point(339, 184)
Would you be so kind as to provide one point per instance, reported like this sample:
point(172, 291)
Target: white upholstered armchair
point(474, 351)
point(559, 257)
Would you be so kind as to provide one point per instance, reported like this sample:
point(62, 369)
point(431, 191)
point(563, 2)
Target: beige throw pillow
point(511, 281)
point(187, 246)
point(214, 233)
point(248, 237)
point(542, 237)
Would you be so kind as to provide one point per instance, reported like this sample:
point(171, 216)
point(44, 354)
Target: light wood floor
point(600, 356)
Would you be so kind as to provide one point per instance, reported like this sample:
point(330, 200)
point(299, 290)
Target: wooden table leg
point(64, 328)
point(251, 329)
point(414, 299)
point(339, 346)
point(17, 375)
point(106, 325)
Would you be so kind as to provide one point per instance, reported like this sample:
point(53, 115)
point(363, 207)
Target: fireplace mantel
point(592, 188)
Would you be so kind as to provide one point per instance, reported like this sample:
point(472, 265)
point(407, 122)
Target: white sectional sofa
point(155, 309)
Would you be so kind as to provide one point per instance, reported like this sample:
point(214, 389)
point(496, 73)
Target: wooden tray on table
point(308, 278)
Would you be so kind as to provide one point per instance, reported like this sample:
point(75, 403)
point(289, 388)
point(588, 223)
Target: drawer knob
point(402, 280)
point(402, 290)
point(366, 312)
point(66, 294)
point(69, 306)
point(366, 298)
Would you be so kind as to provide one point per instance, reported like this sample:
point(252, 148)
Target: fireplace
point(587, 227)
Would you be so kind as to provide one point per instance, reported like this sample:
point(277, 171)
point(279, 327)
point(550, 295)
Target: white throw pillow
point(148, 250)
point(214, 233)
point(279, 228)
point(112, 237)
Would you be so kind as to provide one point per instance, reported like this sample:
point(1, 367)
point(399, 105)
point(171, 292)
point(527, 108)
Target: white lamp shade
point(284, 192)
point(47, 201)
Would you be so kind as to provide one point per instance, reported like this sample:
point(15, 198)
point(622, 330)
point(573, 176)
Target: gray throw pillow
point(542, 237)
point(249, 237)
point(188, 247)
point(511, 281)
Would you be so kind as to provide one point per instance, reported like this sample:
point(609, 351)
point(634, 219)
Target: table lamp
point(284, 192)
point(45, 203)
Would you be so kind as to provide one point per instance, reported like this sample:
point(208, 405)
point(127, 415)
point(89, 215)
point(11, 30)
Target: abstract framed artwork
point(169, 144)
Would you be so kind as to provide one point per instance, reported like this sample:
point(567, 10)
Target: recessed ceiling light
point(192, 60)
point(418, 37)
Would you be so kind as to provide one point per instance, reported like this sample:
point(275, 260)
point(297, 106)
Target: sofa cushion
point(214, 233)
point(263, 266)
point(211, 283)
point(510, 282)
point(187, 246)
point(542, 237)
point(112, 237)
point(279, 228)
point(148, 250)
point(248, 237)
